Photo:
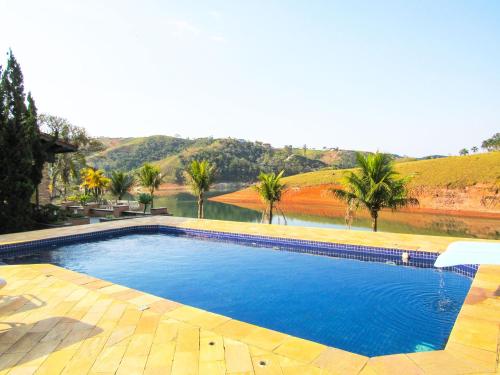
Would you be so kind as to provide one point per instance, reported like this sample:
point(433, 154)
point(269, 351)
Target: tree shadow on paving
point(22, 343)
point(25, 302)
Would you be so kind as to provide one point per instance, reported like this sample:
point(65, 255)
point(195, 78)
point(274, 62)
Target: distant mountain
point(236, 160)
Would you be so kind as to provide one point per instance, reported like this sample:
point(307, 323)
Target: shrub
point(145, 199)
point(47, 214)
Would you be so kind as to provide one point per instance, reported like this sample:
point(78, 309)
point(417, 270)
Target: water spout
point(469, 252)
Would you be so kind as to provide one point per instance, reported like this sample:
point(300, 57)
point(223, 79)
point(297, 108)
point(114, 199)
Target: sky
point(409, 77)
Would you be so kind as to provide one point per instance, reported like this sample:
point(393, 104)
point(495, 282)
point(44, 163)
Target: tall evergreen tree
point(22, 154)
point(38, 149)
point(3, 181)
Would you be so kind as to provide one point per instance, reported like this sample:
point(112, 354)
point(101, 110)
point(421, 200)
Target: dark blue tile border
point(365, 253)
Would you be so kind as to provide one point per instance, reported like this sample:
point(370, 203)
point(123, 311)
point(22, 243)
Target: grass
point(168, 167)
point(451, 172)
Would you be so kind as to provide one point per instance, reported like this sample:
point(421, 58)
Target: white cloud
point(184, 28)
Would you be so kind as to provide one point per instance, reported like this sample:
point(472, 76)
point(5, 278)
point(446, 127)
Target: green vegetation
point(270, 189)
point(131, 153)
point(200, 176)
point(151, 178)
point(83, 199)
point(94, 182)
point(449, 172)
point(236, 160)
point(64, 172)
point(121, 183)
point(145, 199)
point(493, 143)
point(375, 185)
point(21, 151)
point(52, 214)
point(454, 171)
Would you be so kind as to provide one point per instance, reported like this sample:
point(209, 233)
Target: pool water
point(364, 307)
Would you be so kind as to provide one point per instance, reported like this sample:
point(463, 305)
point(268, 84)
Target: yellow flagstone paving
point(57, 321)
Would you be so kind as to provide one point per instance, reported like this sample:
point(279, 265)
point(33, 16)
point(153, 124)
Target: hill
point(460, 185)
point(236, 160)
point(130, 153)
point(447, 172)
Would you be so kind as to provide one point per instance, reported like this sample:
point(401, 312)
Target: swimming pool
point(365, 307)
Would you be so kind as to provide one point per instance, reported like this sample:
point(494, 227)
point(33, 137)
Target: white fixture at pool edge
point(468, 252)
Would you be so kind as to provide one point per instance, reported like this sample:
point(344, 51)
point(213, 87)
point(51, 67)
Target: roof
point(57, 146)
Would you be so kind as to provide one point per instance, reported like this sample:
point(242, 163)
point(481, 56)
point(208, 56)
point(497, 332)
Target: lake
point(184, 204)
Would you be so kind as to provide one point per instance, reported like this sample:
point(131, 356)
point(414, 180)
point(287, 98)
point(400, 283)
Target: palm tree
point(144, 199)
point(151, 178)
point(121, 183)
point(64, 171)
point(375, 186)
point(94, 182)
point(200, 175)
point(270, 189)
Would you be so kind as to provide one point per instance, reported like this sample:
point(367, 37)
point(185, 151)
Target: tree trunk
point(152, 197)
point(201, 213)
point(374, 215)
point(270, 217)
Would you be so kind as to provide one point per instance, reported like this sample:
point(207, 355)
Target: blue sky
point(410, 77)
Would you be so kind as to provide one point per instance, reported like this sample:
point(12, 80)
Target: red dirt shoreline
point(317, 199)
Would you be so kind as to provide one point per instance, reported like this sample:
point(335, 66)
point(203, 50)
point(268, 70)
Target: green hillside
point(131, 153)
point(236, 160)
point(452, 172)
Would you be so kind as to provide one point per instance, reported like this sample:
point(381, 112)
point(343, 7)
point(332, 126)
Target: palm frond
point(200, 175)
point(375, 184)
point(270, 187)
